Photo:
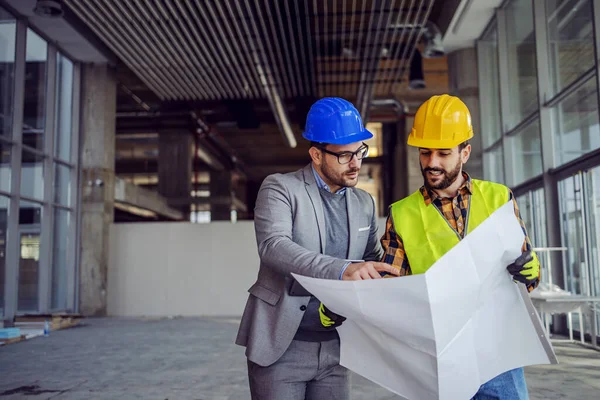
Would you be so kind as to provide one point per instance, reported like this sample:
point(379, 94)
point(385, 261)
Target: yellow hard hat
point(442, 122)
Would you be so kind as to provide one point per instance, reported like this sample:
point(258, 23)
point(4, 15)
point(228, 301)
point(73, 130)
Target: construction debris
point(57, 321)
point(30, 326)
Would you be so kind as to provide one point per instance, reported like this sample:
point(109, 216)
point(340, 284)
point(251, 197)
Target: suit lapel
point(315, 198)
point(352, 206)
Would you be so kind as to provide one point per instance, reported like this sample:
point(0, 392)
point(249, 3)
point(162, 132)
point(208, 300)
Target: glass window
point(3, 222)
point(29, 261)
point(576, 123)
point(35, 91)
point(62, 184)
point(64, 106)
point(527, 153)
point(494, 165)
point(61, 252)
point(532, 209)
point(522, 64)
point(491, 128)
point(32, 175)
point(5, 149)
point(570, 40)
point(526, 210)
point(8, 28)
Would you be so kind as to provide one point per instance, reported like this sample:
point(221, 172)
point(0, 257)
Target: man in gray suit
point(311, 222)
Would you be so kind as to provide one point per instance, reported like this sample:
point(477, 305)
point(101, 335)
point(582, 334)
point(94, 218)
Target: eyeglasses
point(345, 157)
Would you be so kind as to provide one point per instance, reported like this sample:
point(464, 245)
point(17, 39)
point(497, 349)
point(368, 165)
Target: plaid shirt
point(454, 211)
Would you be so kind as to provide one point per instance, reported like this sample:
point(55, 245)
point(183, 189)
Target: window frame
point(50, 160)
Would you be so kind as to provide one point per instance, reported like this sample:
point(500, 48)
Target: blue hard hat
point(334, 120)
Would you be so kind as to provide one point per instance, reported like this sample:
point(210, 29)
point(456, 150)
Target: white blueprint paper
point(442, 334)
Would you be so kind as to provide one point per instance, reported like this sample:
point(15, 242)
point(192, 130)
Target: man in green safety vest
point(422, 227)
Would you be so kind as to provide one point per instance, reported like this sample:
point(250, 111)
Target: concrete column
point(413, 168)
point(395, 162)
point(463, 82)
point(175, 168)
point(99, 101)
point(221, 198)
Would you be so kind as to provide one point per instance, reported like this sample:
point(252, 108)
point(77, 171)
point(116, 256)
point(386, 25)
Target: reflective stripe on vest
point(427, 235)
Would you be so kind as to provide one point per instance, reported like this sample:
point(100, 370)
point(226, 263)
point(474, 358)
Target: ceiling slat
point(183, 63)
point(218, 60)
point(186, 26)
point(245, 64)
point(233, 49)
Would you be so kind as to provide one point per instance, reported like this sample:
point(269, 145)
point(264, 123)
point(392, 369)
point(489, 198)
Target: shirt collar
point(430, 196)
point(321, 183)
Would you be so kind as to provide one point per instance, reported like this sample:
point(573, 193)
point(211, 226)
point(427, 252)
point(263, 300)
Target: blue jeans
point(510, 385)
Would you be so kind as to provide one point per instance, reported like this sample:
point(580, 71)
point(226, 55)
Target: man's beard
point(341, 178)
point(448, 178)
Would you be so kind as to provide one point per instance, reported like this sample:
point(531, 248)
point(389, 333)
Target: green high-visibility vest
point(427, 235)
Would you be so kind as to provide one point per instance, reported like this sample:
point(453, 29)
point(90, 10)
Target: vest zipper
point(468, 215)
point(466, 222)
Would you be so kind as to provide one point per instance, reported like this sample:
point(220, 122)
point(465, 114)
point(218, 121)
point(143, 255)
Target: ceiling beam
point(150, 166)
point(154, 121)
point(220, 200)
point(137, 196)
point(146, 166)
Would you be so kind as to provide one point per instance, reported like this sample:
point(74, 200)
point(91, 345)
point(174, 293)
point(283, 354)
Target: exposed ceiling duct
point(416, 78)
point(433, 41)
point(400, 107)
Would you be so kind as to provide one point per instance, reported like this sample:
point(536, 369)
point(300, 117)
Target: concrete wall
point(172, 269)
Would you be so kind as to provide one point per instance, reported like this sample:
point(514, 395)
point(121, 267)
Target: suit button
point(302, 308)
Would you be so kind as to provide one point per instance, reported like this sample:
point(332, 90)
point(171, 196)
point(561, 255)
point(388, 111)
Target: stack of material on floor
point(57, 321)
point(31, 329)
point(10, 335)
point(30, 326)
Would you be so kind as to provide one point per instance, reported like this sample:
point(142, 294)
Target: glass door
point(29, 257)
point(580, 225)
point(29, 270)
point(592, 200)
point(3, 222)
point(540, 235)
point(573, 235)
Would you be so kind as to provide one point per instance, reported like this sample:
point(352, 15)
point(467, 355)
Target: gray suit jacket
point(290, 233)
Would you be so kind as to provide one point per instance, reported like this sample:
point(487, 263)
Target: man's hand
point(526, 268)
point(368, 270)
point(329, 319)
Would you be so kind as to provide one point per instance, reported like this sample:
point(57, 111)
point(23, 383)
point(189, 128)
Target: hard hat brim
point(354, 138)
point(436, 144)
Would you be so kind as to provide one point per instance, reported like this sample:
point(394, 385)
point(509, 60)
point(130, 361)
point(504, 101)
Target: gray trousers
point(306, 371)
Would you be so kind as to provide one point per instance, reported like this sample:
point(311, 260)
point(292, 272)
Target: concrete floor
point(195, 358)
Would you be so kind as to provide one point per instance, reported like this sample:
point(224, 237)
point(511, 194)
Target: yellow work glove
point(526, 268)
point(328, 318)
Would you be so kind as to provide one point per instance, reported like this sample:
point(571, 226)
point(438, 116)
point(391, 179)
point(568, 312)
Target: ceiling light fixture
point(48, 8)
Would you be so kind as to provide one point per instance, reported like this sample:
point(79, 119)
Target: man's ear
point(465, 154)
point(315, 155)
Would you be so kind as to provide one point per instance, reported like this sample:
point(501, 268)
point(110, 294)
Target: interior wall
point(182, 269)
